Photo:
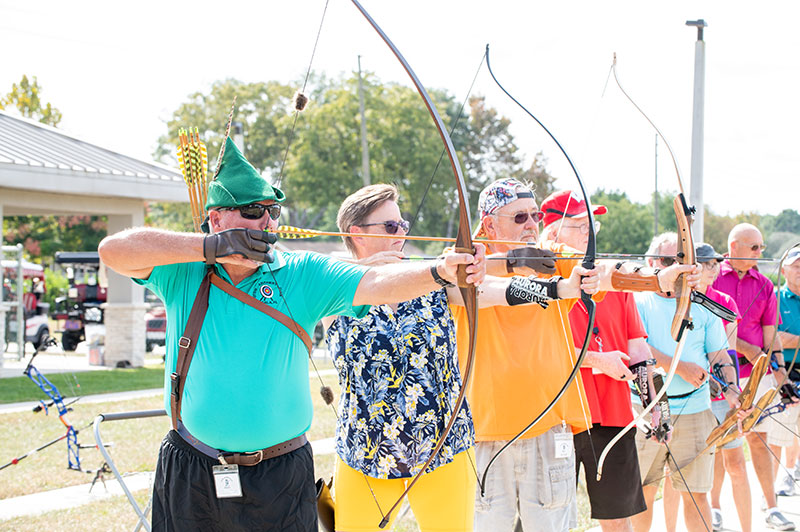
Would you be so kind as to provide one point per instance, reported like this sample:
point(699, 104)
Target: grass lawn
point(16, 389)
point(135, 448)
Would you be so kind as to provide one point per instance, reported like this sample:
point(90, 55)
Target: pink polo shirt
point(754, 295)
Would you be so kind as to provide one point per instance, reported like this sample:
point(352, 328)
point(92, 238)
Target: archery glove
point(540, 260)
point(250, 243)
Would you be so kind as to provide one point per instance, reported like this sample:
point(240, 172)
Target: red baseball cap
point(566, 204)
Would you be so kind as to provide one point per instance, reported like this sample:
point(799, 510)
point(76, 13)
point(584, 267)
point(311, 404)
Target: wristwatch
point(438, 278)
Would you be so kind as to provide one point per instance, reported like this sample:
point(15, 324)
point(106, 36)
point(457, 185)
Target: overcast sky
point(118, 70)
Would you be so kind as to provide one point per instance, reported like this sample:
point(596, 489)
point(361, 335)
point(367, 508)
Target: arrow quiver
point(193, 160)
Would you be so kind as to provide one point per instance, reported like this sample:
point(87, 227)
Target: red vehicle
point(155, 327)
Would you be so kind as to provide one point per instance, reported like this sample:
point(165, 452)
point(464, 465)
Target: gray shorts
point(529, 479)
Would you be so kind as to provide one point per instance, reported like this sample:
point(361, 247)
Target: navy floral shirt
point(399, 376)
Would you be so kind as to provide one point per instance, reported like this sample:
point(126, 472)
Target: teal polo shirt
point(790, 321)
point(707, 336)
point(248, 386)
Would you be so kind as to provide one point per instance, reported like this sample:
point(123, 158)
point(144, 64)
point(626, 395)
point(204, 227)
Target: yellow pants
point(442, 500)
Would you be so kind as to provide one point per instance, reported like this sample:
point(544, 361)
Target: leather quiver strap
point(188, 342)
point(186, 346)
point(247, 299)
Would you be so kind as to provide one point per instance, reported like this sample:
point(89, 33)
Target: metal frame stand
point(142, 514)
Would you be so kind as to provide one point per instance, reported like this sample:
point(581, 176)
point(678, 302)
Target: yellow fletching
point(291, 233)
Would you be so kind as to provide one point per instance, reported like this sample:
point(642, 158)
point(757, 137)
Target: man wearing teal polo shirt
point(789, 334)
point(245, 400)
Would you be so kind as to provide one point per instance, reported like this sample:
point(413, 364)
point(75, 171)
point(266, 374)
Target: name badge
point(226, 481)
point(563, 445)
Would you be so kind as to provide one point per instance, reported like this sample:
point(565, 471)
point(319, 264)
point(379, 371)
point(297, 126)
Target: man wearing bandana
point(524, 355)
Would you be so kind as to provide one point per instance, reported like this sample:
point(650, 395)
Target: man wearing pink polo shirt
point(755, 297)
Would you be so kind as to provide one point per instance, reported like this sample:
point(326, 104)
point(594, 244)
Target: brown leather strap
point(251, 459)
point(634, 282)
point(186, 346)
point(276, 314)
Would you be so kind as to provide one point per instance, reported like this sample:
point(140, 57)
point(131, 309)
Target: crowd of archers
point(475, 386)
point(443, 365)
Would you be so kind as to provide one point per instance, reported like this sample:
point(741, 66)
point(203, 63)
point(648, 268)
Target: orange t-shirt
point(523, 356)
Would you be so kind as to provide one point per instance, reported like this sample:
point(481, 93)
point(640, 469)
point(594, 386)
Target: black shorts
point(277, 494)
point(619, 493)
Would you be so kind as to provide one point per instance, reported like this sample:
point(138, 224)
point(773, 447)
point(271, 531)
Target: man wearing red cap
point(617, 341)
point(524, 355)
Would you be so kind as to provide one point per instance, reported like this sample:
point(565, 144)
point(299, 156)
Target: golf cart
point(84, 298)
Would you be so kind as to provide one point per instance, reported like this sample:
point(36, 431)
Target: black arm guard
point(640, 372)
point(523, 290)
point(665, 422)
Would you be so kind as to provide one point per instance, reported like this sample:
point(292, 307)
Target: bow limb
point(588, 263)
point(685, 255)
point(463, 243)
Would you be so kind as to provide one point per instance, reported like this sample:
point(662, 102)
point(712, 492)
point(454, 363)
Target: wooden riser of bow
point(750, 421)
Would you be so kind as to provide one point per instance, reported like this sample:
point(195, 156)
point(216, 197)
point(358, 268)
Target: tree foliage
point(322, 165)
point(42, 236)
point(25, 98)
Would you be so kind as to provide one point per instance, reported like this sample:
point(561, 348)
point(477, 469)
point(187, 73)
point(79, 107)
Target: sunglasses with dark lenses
point(758, 247)
point(391, 226)
point(255, 211)
point(522, 217)
point(667, 261)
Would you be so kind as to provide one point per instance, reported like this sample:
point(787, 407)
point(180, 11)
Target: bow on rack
point(684, 214)
point(588, 263)
point(57, 400)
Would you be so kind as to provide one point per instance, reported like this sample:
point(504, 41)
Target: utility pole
point(655, 192)
point(364, 148)
point(696, 191)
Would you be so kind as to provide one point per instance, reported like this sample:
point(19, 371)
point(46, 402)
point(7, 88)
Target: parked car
point(155, 327)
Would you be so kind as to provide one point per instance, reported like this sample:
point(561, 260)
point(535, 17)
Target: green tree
point(323, 163)
point(626, 228)
point(25, 97)
point(42, 236)
point(537, 175)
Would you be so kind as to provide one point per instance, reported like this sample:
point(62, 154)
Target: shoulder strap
point(274, 313)
point(186, 346)
point(194, 324)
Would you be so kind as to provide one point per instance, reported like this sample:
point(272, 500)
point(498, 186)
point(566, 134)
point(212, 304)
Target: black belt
point(243, 459)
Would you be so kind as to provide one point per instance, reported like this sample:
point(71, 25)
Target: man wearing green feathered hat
point(237, 457)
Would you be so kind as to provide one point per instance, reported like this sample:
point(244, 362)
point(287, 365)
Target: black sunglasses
point(255, 211)
point(667, 261)
point(522, 217)
point(391, 226)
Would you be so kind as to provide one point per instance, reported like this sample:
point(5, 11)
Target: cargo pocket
point(558, 486)
point(555, 476)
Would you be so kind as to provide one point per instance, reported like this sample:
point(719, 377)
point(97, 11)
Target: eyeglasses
point(391, 226)
point(667, 261)
point(522, 217)
point(710, 264)
point(584, 228)
point(255, 211)
point(758, 247)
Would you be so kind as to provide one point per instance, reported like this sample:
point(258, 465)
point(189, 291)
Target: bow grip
point(462, 268)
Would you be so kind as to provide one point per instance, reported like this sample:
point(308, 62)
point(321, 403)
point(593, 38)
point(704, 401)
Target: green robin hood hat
point(237, 183)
